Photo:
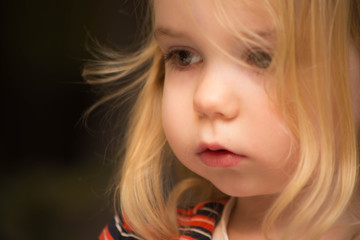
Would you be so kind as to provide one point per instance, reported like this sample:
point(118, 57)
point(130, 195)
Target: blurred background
point(54, 171)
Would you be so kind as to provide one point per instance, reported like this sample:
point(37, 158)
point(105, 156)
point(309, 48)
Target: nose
point(215, 97)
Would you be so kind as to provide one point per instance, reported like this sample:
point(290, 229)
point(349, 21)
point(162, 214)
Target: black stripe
point(188, 232)
point(214, 214)
point(114, 232)
point(190, 229)
point(119, 236)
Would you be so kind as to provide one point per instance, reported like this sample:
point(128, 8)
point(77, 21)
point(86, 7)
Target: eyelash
point(177, 58)
point(257, 57)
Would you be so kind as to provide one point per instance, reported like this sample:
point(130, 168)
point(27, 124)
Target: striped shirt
point(197, 223)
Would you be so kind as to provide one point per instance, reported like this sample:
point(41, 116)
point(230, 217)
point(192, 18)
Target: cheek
point(177, 105)
point(280, 148)
point(175, 117)
point(168, 116)
point(280, 145)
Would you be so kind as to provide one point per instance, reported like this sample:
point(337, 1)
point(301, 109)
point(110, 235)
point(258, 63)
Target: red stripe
point(125, 222)
point(185, 237)
point(207, 224)
point(204, 225)
point(105, 235)
point(192, 211)
point(183, 211)
point(186, 220)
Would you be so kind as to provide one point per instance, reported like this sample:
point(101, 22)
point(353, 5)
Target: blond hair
point(313, 95)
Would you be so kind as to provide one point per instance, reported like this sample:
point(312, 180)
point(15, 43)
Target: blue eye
point(258, 58)
point(182, 58)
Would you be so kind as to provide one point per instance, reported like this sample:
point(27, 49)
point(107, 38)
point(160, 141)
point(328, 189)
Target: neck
point(248, 214)
point(252, 209)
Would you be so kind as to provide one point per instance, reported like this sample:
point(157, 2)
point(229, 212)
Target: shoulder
point(196, 222)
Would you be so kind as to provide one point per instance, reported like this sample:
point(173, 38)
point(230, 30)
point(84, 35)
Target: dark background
point(54, 171)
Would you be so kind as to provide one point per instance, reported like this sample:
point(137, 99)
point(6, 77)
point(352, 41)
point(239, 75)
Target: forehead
point(211, 16)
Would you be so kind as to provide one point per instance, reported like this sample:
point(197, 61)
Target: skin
point(213, 100)
point(216, 101)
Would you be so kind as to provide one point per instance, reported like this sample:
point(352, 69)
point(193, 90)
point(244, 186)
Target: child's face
point(217, 116)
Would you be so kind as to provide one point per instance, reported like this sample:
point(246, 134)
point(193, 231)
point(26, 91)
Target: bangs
point(253, 26)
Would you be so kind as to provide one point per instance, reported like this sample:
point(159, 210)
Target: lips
point(217, 156)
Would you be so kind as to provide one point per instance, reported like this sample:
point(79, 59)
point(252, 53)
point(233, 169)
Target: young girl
point(260, 100)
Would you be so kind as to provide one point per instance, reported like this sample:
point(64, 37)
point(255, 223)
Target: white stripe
point(203, 220)
point(105, 235)
point(199, 219)
point(190, 229)
point(210, 210)
point(119, 228)
point(201, 232)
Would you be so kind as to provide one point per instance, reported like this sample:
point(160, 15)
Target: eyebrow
point(269, 35)
point(161, 32)
point(165, 32)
